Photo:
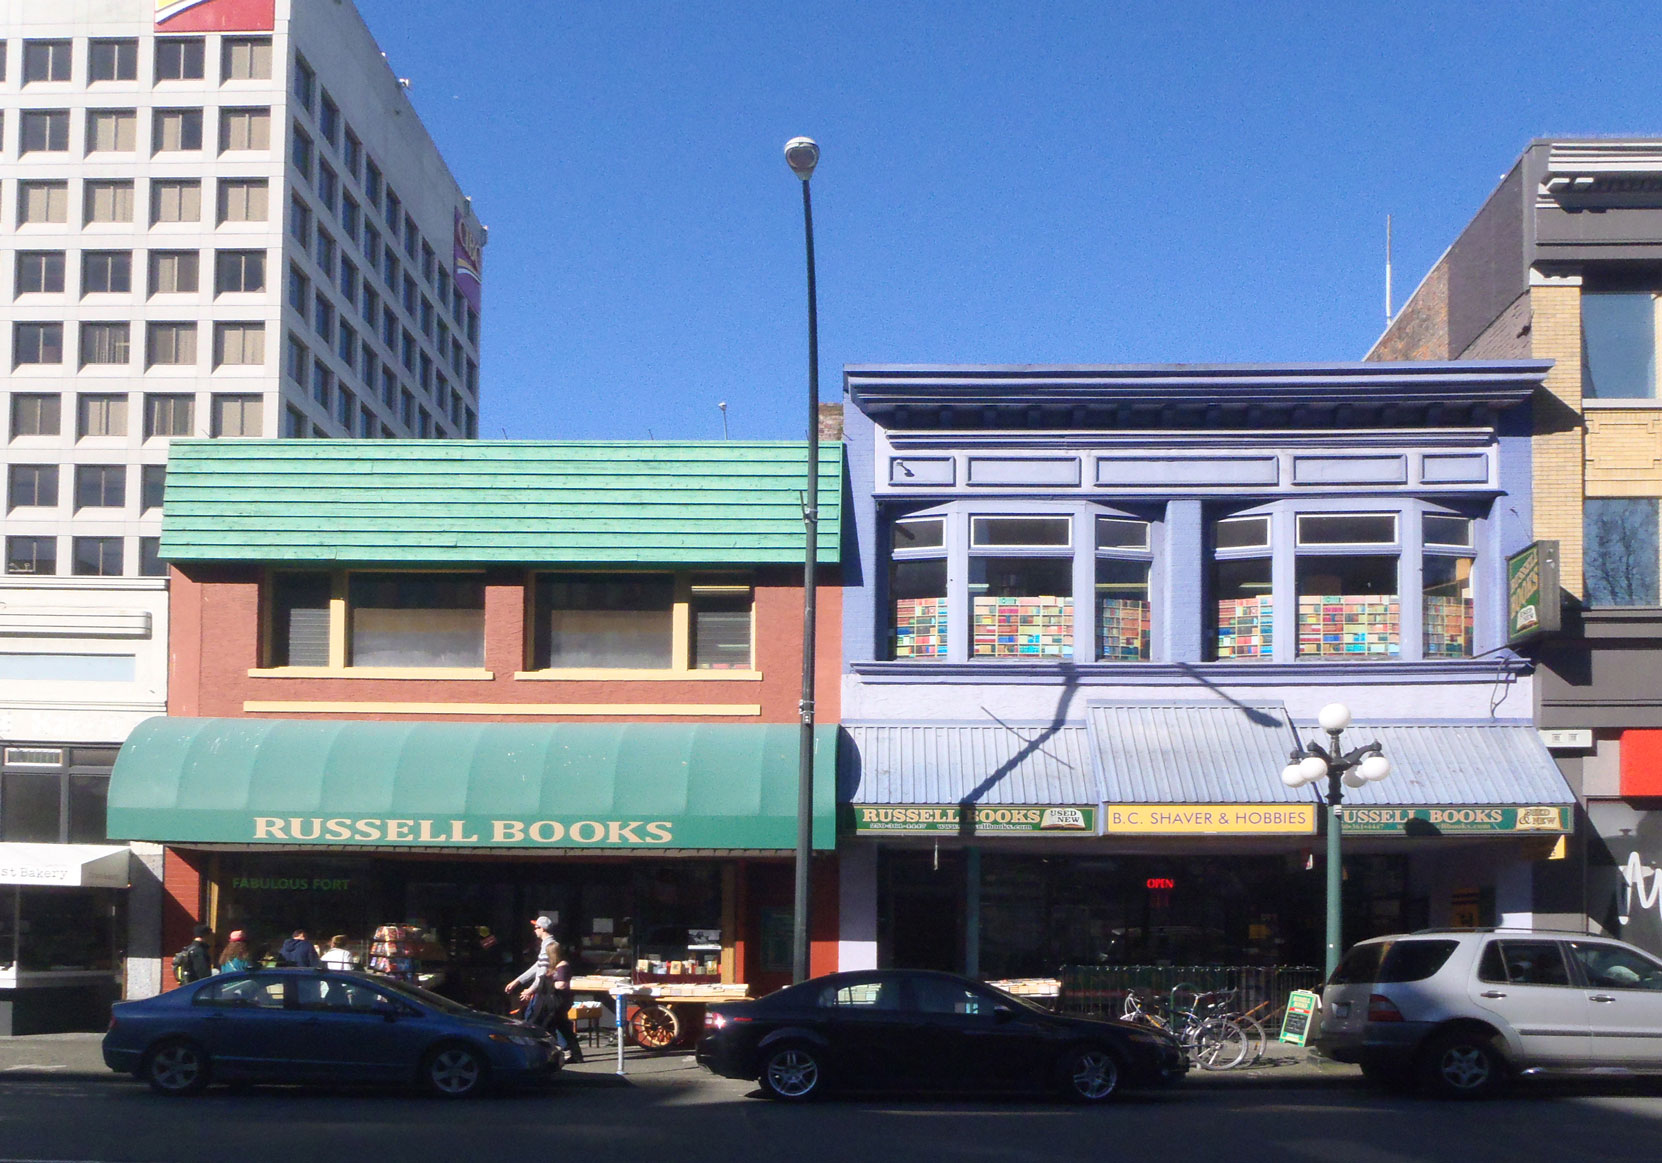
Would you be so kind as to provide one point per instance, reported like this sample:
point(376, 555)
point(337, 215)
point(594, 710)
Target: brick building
point(1563, 262)
point(457, 685)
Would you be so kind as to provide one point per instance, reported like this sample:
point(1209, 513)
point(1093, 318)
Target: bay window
point(1122, 607)
point(1021, 603)
point(1446, 586)
point(917, 588)
point(1348, 603)
point(1242, 588)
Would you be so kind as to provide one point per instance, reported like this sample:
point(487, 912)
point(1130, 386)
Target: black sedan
point(916, 1030)
point(314, 1025)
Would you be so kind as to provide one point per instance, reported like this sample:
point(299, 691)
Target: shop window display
point(917, 589)
point(1124, 624)
point(1022, 607)
point(1348, 607)
point(1242, 590)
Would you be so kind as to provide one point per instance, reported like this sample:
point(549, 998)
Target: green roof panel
point(482, 502)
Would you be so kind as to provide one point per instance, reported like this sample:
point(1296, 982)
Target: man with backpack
point(195, 961)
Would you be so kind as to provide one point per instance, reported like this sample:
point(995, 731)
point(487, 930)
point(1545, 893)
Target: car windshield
point(426, 997)
point(1014, 999)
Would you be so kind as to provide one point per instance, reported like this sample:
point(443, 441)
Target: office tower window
point(326, 252)
point(305, 83)
point(100, 486)
point(39, 272)
point(239, 344)
point(43, 131)
point(97, 556)
point(168, 415)
point(294, 366)
point(294, 421)
point(323, 383)
point(352, 153)
point(106, 272)
point(373, 182)
point(150, 557)
point(112, 60)
point(328, 120)
point(323, 318)
point(180, 58)
point(170, 344)
point(245, 59)
point(35, 414)
point(42, 202)
point(300, 222)
point(174, 272)
point(101, 416)
point(175, 201)
point(244, 129)
point(106, 343)
point(237, 416)
point(239, 272)
point(328, 187)
point(107, 201)
point(46, 60)
point(36, 555)
point(243, 200)
point(152, 486)
point(300, 152)
point(37, 343)
point(32, 486)
point(176, 129)
point(112, 130)
point(351, 214)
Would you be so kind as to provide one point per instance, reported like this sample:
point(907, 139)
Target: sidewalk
point(77, 1057)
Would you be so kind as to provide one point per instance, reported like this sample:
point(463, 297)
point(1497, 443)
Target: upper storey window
point(1123, 615)
point(46, 60)
point(642, 622)
point(1618, 343)
point(245, 59)
point(112, 60)
point(1346, 574)
point(1021, 587)
point(180, 58)
point(1620, 554)
point(920, 627)
point(1242, 588)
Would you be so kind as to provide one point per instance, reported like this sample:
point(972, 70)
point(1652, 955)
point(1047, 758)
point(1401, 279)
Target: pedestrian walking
point(298, 951)
point(234, 958)
point(558, 998)
point(195, 961)
point(529, 985)
point(338, 956)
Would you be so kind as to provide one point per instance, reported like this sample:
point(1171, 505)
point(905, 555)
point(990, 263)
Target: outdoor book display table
point(660, 1014)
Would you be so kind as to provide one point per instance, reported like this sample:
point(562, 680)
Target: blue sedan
point(313, 1025)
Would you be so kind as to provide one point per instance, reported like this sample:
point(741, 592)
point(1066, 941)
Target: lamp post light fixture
point(1342, 769)
point(802, 155)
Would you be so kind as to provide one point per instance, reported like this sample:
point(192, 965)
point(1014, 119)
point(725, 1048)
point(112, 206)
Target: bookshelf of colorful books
point(920, 628)
point(1448, 626)
point(1122, 629)
point(1348, 626)
point(1023, 627)
point(1246, 627)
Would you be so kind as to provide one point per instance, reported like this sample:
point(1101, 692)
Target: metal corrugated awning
point(1192, 753)
point(633, 786)
point(988, 764)
point(1444, 764)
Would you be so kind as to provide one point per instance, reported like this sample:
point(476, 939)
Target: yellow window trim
point(607, 674)
point(499, 710)
point(447, 673)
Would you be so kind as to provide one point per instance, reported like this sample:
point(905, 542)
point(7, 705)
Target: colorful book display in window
point(1345, 626)
point(1122, 629)
point(1448, 626)
point(920, 628)
point(1024, 627)
point(1246, 627)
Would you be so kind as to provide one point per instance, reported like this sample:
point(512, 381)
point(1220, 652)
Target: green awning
point(469, 786)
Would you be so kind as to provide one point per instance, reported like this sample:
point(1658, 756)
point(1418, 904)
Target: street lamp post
point(1352, 769)
point(802, 155)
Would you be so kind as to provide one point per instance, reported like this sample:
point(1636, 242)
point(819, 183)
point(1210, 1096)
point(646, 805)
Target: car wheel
point(1089, 1074)
point(454, 1071)
point(793, 1073)
point(1463, 1064)
point(176, 1067)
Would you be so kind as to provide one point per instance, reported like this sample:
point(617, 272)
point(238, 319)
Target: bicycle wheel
point(1258, 1039)
point(1220, 1044)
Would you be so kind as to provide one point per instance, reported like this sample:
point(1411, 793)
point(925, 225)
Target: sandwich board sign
point(1301, 1008)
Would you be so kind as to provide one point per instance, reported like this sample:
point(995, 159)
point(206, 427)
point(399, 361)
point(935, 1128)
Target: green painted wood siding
point(519, 502)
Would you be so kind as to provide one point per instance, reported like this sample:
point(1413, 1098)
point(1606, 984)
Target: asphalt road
point(678, 1114)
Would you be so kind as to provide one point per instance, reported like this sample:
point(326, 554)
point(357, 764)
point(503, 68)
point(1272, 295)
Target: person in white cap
point(530, 983)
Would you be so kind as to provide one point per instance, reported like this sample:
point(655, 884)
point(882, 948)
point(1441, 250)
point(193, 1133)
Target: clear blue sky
point(1011, 182)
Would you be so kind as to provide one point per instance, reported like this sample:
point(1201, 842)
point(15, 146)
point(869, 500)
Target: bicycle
point(1212, 1041)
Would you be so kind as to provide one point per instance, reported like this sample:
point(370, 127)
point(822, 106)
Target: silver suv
point(1461, 1011)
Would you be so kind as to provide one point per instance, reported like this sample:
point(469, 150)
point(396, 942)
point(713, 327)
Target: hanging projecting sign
point(1456, 821)
point(1533, 605)
point(1210, 819)
point(983, 820)
point(216, 15)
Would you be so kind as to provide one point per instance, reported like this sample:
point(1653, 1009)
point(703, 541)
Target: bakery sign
point(972, 819)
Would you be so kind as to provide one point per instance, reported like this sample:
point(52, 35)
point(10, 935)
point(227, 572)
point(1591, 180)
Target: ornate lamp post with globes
point(1342, 769)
